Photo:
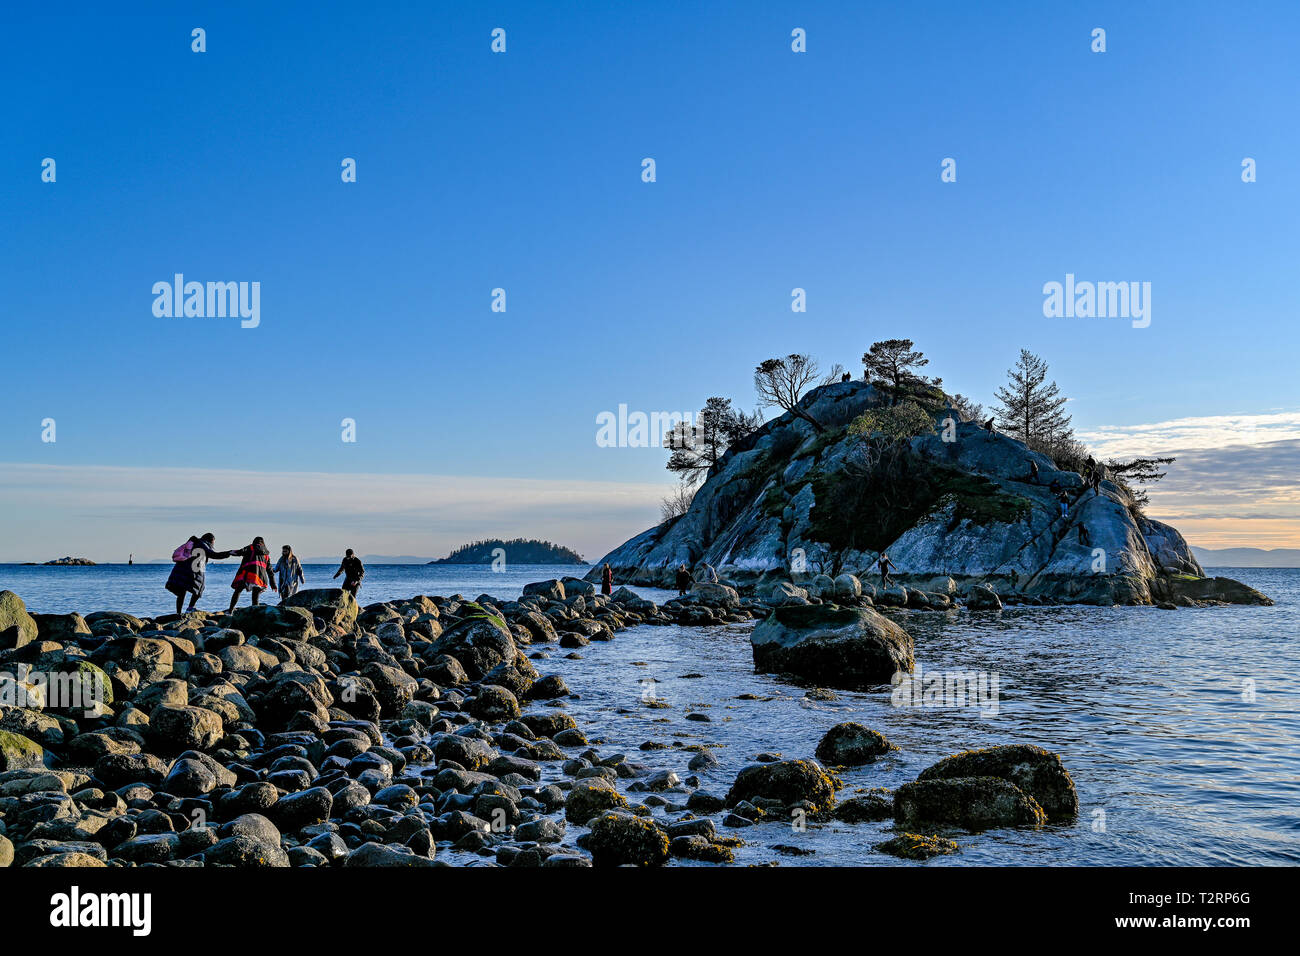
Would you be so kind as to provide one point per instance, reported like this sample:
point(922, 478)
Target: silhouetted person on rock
point(1033, 472)
point(988, 426)
point(885, 567)
point(683, 579)
point(353, 571)
point(606, 580)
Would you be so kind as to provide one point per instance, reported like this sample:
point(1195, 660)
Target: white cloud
point(1189, 434)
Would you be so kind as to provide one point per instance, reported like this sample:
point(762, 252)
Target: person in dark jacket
point(190, 575)
point(254, 574)
point(1063, 500)
point(352, 570)
point(606, 580)
point(683, 579)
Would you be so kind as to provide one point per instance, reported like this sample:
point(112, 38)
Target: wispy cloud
point(1187, 434)
point(105, 512)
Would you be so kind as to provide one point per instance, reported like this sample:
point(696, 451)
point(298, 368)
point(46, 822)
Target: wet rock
point(876, 805)
point(302, 809)
point(493, 704)
point(914, 846)
point(699, 848)
point(787, 782)
point(973, 803)
point(842, 647)
point(387, 855)
point(479, 642)
point(1038, 772)
point(617, 839)
point(851, 744)
point(591, 796)
point(981, 597)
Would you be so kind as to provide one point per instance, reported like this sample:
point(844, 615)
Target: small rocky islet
point(421, 733)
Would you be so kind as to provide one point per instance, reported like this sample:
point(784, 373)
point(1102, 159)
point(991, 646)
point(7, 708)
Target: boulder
point(286, 620)
point(591, 796)
point(333, 605)
point(981, 597)
point(787, 782)
point(551, 590)
point(173, 729)
point(850, 744)
point(974, 803)
point(914, 846)
point(714, 595)
point(19, 753)
point(783, 593)
point(17, 627)
point(620, 839)
point(479, 642)
point(849, 648)
point(63, 628)
point(1038, 772)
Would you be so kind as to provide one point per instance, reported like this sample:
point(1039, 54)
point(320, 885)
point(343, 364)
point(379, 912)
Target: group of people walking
point(255, 573)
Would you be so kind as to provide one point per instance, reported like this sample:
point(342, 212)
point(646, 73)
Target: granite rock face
point(755, 521)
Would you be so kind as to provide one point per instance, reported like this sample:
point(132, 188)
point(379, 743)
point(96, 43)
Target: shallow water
point(1148, 709)
point(1145, 707)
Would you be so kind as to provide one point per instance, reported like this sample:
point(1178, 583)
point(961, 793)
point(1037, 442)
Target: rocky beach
point(411, 733)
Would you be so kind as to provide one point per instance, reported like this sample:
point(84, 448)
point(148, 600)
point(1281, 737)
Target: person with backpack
point(352, 570)
point(254, 574)
point(189, 571)
point(289, 570)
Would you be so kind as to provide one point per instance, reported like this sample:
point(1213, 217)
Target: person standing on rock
point(1063, 500)
point(189, 573)
point(708, 575)
point(290, 571)
point(254, 574)
point(1033, 472)
point(683, 579)
point(353, 571)
point(885, 567)
point(607, 580)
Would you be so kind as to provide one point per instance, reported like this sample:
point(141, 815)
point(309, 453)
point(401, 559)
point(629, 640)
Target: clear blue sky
point(476, 170)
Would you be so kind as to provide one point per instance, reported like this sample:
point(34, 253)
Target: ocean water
point(1181, 728)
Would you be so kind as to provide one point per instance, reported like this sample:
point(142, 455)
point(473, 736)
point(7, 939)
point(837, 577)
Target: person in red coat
point(254, 574)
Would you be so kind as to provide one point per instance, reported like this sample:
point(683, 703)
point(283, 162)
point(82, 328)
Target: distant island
point(63, 560)
point(1247, 557)
point(516, 551)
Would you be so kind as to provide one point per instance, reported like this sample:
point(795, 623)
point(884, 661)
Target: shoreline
point(323, 733)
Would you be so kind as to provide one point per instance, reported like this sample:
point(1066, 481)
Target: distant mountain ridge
point(515, 551)
point(1248, 557)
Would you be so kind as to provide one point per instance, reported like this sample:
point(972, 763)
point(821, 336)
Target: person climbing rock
point(1033, 472)
point(352, 570)
point(1063, 500)
point(885, 567)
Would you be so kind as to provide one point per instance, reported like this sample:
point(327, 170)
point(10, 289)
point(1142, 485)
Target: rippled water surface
point(1175, 759)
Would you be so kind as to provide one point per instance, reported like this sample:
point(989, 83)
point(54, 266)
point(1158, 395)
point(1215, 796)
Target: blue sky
point(522, 171)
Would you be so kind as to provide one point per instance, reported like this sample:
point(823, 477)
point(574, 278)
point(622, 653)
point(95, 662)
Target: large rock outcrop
point(839, 646)
point(768, 513)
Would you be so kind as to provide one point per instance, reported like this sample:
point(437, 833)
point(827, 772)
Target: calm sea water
point(1181, 728)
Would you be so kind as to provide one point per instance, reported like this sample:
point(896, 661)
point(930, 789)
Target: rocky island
point(966, 514)
point(515, 551)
